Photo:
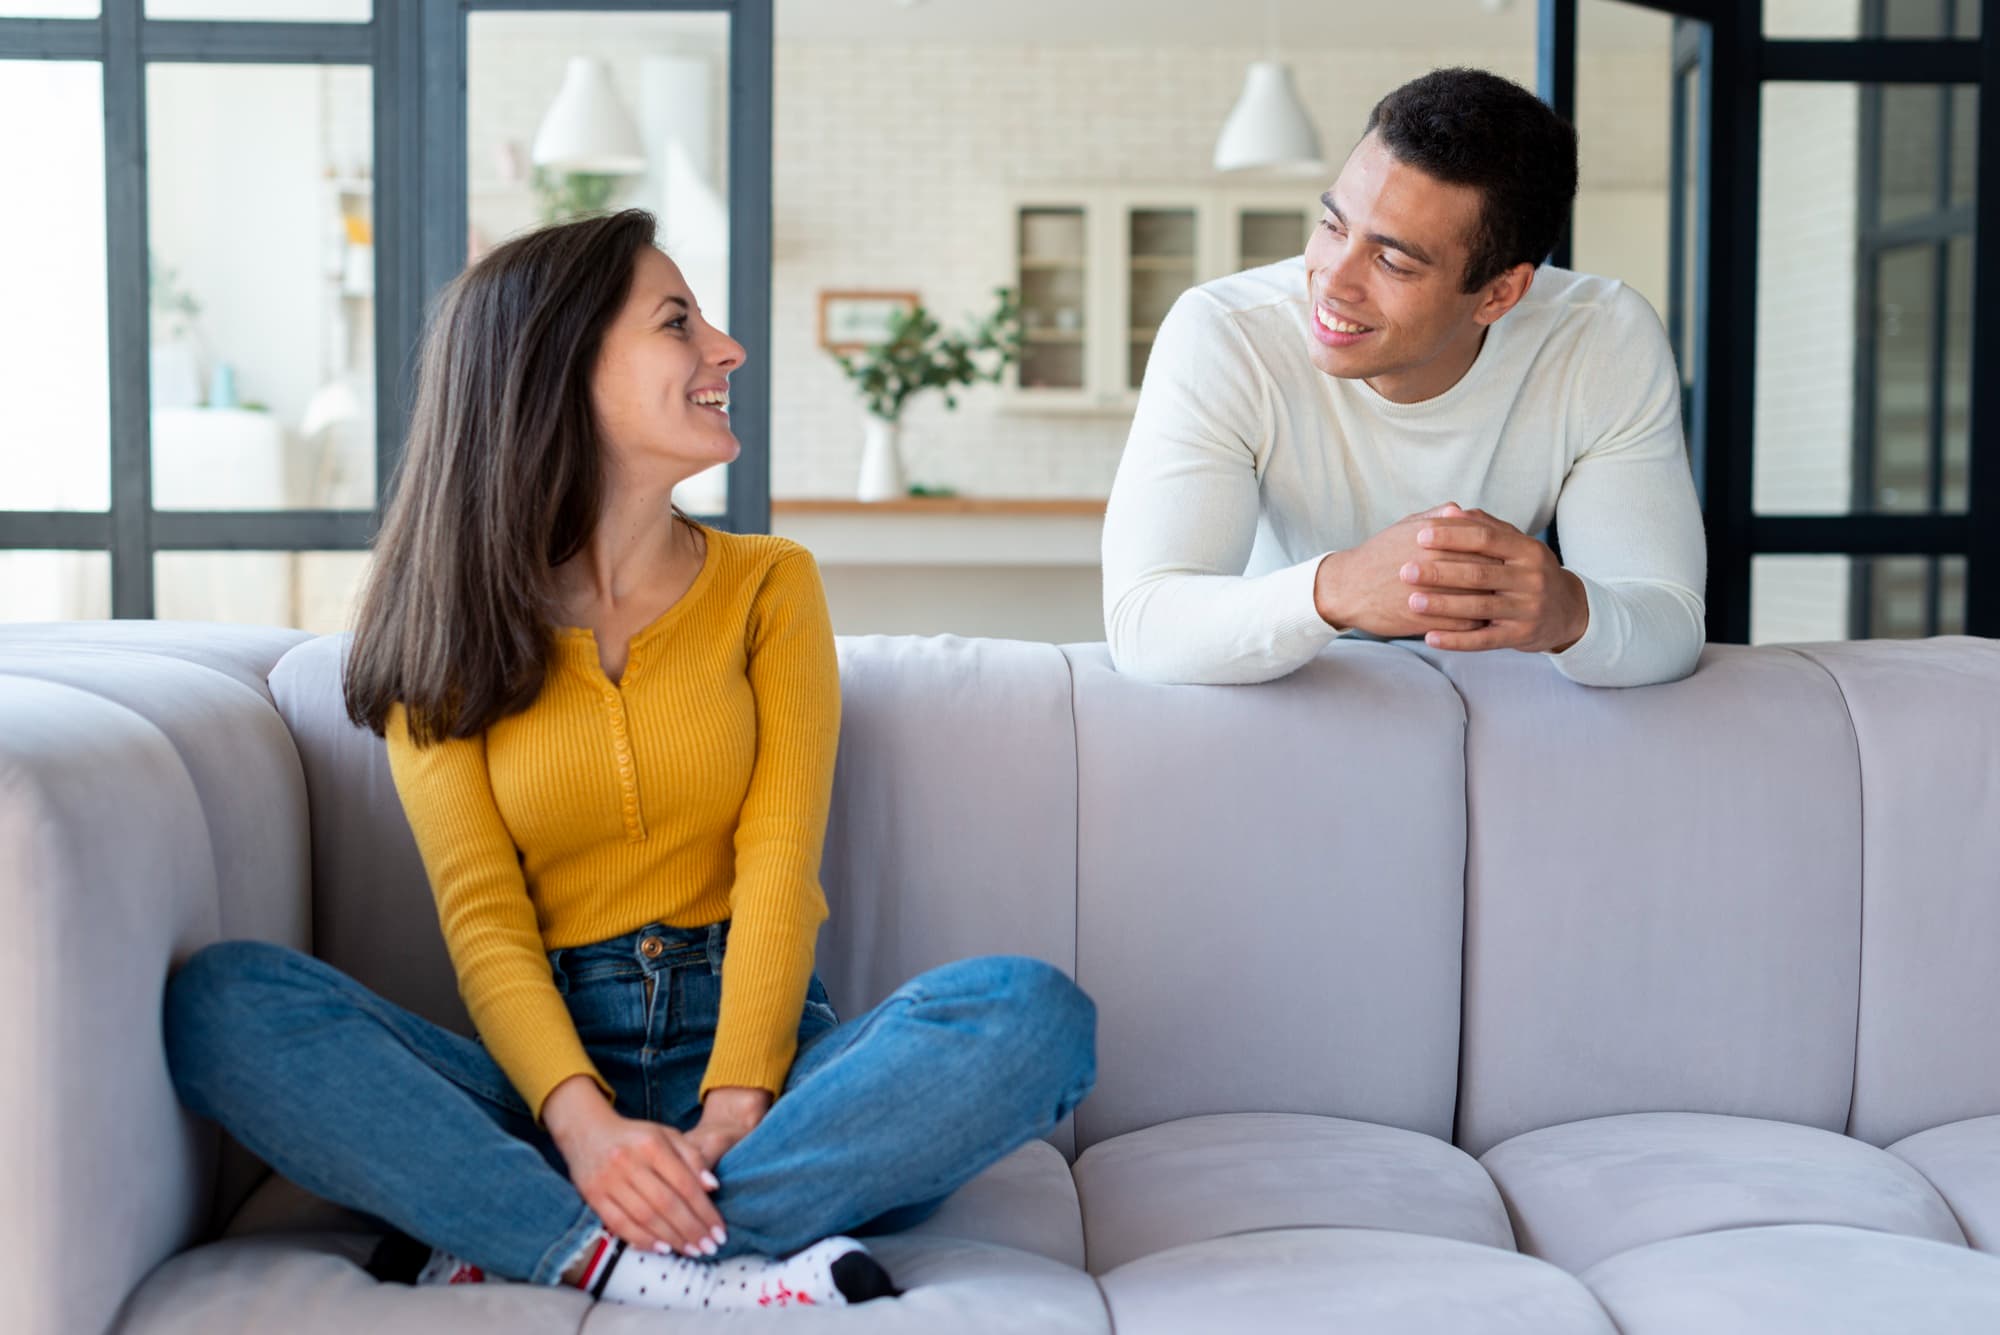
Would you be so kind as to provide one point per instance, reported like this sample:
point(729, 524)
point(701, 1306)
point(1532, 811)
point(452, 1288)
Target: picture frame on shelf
point(850, 321)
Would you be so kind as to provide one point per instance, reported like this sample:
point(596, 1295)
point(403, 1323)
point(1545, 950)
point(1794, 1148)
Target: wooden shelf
point(940, 505)
point(1052, 336)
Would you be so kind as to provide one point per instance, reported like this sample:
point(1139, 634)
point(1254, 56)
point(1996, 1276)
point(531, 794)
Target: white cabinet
point(1097, 269)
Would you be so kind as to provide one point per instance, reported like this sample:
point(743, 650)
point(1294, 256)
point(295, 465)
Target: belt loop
point(718, 934)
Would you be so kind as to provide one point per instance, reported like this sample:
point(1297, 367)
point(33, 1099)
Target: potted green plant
point(916, 356)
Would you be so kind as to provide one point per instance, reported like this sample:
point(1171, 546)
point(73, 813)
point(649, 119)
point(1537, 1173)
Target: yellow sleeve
point(484, 910)
point(776, 904)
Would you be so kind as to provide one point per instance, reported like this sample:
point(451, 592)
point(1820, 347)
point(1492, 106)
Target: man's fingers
point(1468, 535)
point(1501, 636)
point(1467, 606)
point(1477, 576)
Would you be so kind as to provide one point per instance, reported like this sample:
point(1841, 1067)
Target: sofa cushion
point(314, 1284)
point(1662, 894)
point(1802, 1279)
point(1588, 1190)
point(1027, 1201)
point(1210, 1177)
point(950, 1287)
point(1962, 1160)
point(1928, 730)
point(1315, 1280)
point(1269, 891)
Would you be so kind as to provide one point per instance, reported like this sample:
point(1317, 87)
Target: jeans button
point(652, 947)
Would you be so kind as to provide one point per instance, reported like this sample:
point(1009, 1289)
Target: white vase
point(881, 461)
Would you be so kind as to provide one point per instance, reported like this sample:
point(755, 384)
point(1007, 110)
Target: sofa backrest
point(1663, 894)
point(1927, 721)
point(1285, 897)
point(1269, 892)
point(953, 829)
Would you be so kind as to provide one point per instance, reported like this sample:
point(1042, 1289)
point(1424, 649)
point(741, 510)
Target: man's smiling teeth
point(710, 398)
point(1338, 325)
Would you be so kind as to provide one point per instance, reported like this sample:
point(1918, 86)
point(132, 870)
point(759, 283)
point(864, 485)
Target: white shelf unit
point(1097, 267)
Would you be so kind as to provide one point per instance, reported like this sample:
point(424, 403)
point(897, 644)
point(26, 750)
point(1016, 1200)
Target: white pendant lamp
point(587, 128)
point(1268, 128)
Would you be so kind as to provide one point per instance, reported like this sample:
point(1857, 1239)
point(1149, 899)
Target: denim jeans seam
point(566, 1248)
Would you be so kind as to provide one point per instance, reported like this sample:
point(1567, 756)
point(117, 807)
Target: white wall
point(893, 166)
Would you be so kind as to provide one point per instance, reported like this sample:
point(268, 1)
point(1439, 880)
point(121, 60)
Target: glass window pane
point(660, 141)
point(1912, 130)
point(1964, 142)
point(315, 591)
point(263, 279)
point(279, 11)
point(1846, 18)
point(1847, 413)
point(1905, 318)
point(1802, 599)
point(55, 586)
point(1624, 116)
point(1958, 374)
point(55, 377)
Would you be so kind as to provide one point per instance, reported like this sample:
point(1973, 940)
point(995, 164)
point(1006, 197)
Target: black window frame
point(416, 52)
point(1736, 61)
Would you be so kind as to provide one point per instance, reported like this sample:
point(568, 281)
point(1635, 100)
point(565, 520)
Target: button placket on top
point(621, 751)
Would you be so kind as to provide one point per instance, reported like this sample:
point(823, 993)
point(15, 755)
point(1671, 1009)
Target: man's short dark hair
point(1469, 127)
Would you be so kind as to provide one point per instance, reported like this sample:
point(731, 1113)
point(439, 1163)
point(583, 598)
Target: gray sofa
point(1437, 995)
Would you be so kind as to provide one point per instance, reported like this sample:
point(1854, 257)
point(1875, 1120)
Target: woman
point(613, 731)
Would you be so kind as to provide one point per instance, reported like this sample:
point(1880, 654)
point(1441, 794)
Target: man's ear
point(1504, 293)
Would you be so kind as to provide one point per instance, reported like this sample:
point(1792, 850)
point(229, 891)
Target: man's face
point(1384, 272)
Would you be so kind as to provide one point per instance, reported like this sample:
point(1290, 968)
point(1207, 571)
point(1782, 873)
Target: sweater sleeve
point(776, 903)
point(1630, 525)
point(1182, 519)
point(483, 907)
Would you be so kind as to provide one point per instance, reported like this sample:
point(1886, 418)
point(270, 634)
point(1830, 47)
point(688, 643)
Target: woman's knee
point(221, 989)
point(1032, 1001)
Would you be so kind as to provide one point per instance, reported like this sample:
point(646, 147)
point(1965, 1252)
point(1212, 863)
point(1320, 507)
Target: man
point(1426, 367)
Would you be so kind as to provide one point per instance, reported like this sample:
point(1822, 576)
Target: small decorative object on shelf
point(917, 355)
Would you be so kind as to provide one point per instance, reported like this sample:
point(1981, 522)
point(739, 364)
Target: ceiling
point(1354, 24)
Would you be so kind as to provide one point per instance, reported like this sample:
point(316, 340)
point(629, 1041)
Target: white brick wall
point(893, 166)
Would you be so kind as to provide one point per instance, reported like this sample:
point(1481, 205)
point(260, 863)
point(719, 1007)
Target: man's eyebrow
point(1417, 253)
point(663, 303)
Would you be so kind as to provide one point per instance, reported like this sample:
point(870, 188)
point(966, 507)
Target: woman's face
point(660, 389)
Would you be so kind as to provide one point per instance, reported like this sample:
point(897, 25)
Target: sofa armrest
point(124, 784)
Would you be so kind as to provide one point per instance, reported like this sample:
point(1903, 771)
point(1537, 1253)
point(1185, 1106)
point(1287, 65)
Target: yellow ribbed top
point(692, 790)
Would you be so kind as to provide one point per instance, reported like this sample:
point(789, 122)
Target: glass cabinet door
point(1052, 260)
point(1160, 263)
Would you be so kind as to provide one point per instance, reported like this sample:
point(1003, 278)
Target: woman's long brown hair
point(500, 482)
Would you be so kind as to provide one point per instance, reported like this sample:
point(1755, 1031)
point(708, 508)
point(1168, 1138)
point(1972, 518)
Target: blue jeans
point(367, 1105)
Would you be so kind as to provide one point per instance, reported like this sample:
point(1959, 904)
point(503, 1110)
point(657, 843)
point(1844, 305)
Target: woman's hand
point(647, 1182)
point(729, 1113)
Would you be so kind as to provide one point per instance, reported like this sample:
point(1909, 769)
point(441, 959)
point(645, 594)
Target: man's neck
point(1435, 376)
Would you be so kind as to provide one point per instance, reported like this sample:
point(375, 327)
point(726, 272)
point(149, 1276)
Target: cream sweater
point(1247, 464)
